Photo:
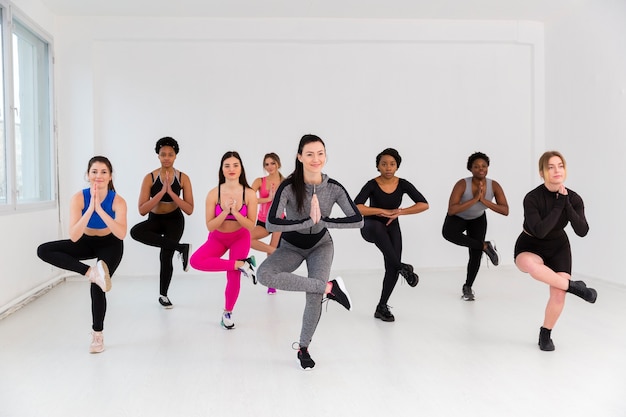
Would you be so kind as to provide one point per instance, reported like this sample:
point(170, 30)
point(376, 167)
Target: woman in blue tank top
point(97, 230)
point(466, 221)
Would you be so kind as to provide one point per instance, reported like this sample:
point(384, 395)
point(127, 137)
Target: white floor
point(442, 357)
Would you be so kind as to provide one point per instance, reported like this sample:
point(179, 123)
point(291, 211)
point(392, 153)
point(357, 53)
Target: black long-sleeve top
point(546, 213)
point(388, 201)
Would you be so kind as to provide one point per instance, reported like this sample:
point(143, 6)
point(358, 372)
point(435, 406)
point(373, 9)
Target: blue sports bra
point(95, 221)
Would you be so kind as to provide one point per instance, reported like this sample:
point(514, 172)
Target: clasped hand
point(315, 213)
point(391, 215)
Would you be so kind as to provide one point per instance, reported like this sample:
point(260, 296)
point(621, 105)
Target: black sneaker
point(411, 277)
point(545, 341)
point(382, 312)
point(184, 256)
point(339, 293)
point(468, 294)
point(492, 253)
point(165, 302)
point(306, 362)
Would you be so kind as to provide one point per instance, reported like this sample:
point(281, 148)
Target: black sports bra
point(157, 185)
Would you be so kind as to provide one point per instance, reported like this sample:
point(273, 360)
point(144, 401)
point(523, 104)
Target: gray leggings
point(277, 272)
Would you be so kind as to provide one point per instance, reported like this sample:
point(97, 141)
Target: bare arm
point(454, 203)
point(117, 225)
point(78, 220)
point(500, 206)
point(146, 204)
point(249, 220)
point(185, 203)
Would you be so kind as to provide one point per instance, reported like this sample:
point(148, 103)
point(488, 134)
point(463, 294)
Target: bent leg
point(533, 264)
point(66, 254)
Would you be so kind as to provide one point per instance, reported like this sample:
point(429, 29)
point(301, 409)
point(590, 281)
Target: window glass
point(3, 143)
point(31, 101)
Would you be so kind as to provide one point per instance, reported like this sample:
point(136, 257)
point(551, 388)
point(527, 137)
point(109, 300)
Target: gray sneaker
point(492, 253)
point(468, 294)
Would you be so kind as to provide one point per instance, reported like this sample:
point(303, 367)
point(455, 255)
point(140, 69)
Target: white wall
point(586, 120)
point(437, 91)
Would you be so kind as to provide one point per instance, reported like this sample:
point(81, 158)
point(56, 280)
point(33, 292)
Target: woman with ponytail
point(301, 210)
point(97, 230)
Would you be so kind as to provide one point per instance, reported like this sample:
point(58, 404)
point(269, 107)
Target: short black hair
point(475, 156)
point(391, 152)
point(166, 141)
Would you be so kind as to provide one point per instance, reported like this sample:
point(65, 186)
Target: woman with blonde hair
point(266, 188)
point(543, 249)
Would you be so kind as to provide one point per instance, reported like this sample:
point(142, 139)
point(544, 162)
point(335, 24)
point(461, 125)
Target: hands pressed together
point(315, 212)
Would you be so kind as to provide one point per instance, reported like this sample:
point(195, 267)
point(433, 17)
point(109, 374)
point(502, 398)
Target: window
point(3, 147)
point(26, 134)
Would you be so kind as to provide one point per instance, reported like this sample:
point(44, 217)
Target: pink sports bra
point(243, 210)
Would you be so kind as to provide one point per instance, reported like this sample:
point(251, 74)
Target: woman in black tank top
point(160, 198)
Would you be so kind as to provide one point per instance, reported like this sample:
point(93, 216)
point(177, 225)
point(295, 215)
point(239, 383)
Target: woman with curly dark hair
point(382, 226)
point(160, 198)
point(466, 220)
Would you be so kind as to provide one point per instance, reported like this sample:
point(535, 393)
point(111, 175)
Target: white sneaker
point(97, 343)
point(227, 320)
point(99, 275)
point(248, 268)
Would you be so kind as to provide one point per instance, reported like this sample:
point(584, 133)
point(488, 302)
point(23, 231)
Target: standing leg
point(476, 230)
point(319, 261)
point(239, 243)
point(172, 231)
point(110, 250)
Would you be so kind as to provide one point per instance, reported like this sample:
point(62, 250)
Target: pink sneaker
point(97, 343)
point(99, 275)
point(271, 291)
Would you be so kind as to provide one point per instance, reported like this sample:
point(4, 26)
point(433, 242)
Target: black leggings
point(68, 255)
point(473, 239)
point(162, 231)
point(389, 240)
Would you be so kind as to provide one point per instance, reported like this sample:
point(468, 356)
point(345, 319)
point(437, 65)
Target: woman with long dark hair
point(97, 230)
point(230, 216)
point(301, 211)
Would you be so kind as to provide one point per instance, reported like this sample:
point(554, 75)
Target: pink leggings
point(208, 258)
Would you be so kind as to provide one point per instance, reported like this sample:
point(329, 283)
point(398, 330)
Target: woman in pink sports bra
point(266, 187)
point(231, 209)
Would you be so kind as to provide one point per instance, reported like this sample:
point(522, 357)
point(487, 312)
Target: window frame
point(10, 15)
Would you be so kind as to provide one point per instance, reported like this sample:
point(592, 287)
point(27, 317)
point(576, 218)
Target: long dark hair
point(105, 161)
point(242, 177)
point(297, 176)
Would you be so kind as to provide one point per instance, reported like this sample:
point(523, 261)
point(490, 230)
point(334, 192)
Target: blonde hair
point(545, 158)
